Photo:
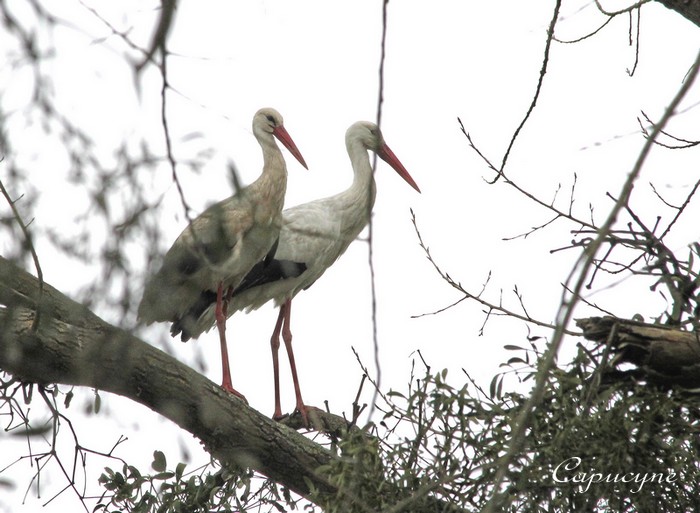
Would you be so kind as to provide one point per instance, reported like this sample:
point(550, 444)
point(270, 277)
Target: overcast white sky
point(317, 63)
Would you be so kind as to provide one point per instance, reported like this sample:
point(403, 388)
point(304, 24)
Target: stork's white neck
point(357, 201)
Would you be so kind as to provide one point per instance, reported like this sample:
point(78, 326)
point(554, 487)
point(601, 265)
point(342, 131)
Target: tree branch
point(75, 347)
point(689, 9)
point(664, 355)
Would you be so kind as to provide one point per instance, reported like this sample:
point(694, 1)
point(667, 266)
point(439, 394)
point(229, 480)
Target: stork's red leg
point(275, 346)
point(221, 310)
point(286, 313)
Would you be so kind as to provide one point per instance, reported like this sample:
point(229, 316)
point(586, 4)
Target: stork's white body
point(316, 234)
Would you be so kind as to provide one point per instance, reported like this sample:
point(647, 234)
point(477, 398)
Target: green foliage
point(415, 458)
point(178, 491)
point(624, 432)
point(627, 447)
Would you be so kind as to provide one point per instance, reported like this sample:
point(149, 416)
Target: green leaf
point(133, 471)
point(68, 399)
point(159, 463)
point(179, 470)
point(98, 403)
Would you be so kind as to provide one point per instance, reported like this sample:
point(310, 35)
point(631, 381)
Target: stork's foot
point(231, 390)
point(302, 409)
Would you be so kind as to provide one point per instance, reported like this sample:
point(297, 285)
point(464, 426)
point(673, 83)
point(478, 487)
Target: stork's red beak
point(388, 156)
point(283, 136)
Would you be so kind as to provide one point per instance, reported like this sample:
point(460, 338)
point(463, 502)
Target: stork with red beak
point(219, 248)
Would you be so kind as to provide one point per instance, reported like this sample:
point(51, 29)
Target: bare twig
point(30, 245)
point(559, 213)
point(635, 40)
point(491, 307)
point(599, 370)
point(166, 133)
point(370, 256)
point(629, 8)
point(160, 35)
point(681, 209)
point(440, 310)
point(538, 89)
point(122, 35)
point(582, 38)
point(683, 143)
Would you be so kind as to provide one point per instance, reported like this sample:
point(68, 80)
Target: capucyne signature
point(563, 473)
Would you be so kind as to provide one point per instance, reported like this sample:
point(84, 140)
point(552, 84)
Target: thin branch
point(365, 371)
point(636, 41)
point(681, 209)
point(52, 454)
point(684, 143)
point(116, 32)
point(440, 310)
point(498, 309)
point(532, 230)
point(370, 256)
point(600, 368)
point(538, 89)
point(160, 35)
point(521, 190)
point(169, 148)
point(30, 245)
point(591, 303)
point(582, 38)
point(629, 8)
point(168, 140)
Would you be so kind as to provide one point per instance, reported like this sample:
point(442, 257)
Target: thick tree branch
point(664, 355)
point(73, 346)
point(689, 9)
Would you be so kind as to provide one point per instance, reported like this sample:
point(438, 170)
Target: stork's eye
point(271, 119)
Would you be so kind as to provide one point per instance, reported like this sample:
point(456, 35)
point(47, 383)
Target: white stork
point(216, 251)
point(313, 236)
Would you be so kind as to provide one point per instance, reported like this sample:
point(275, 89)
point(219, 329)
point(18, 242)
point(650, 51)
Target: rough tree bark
point(662, 354)
point(73, 346)
point(689, 9)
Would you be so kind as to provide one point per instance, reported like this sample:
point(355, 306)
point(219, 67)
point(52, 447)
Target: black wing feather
point(266, 271)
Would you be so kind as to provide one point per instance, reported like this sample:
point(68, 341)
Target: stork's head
point(370, 136)
point(268, 121)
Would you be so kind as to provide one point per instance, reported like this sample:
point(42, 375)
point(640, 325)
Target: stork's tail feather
point(185, 325)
